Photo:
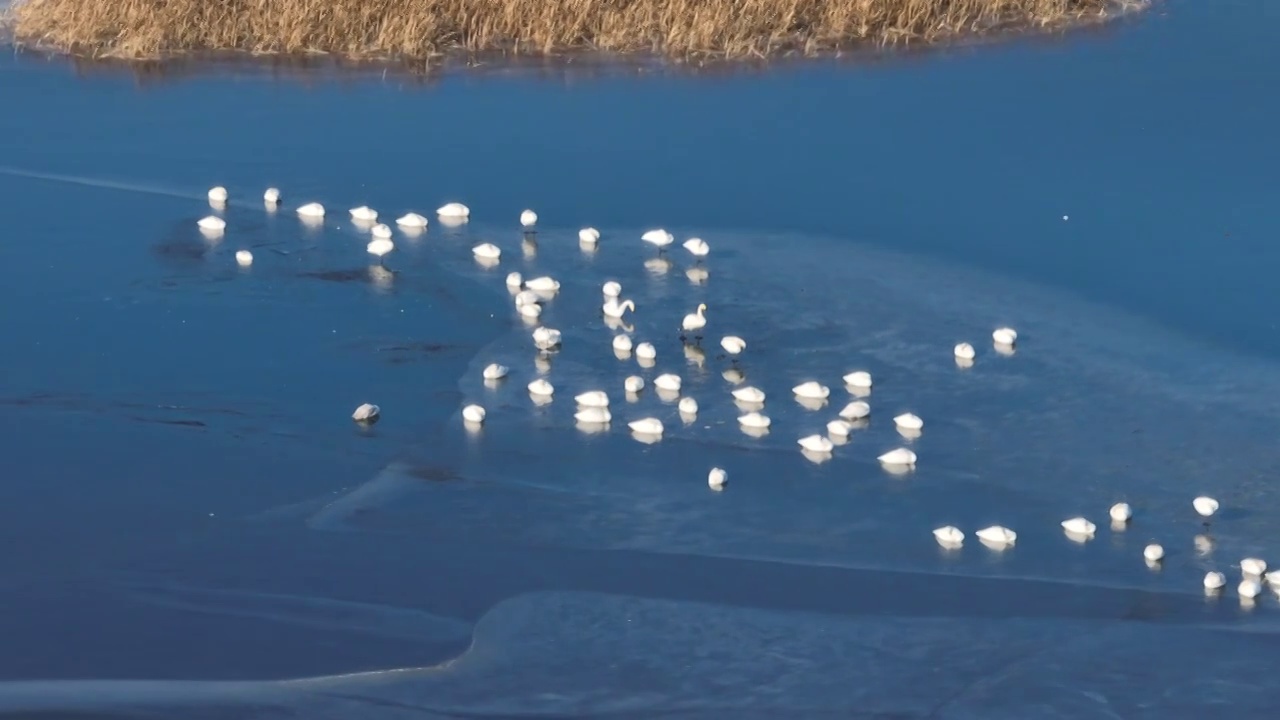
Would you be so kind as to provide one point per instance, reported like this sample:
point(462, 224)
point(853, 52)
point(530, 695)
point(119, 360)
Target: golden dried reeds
point(423, 29)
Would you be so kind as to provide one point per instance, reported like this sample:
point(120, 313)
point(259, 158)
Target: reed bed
point(425, 29)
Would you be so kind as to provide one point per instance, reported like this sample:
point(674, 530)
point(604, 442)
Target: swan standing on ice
point(494, 371)
point(1214, 581)
point(1249, 589)
point(909, 421)
point(717, 478)
point(543, 284)
point(754, 420)
point(949, 536)
point(487, 251)
point(668, 381)
point(545, 338)
point(380, 231)
point(588, 236)
point(687, 406)
point(1205, 506)
point(1256, 567)
point(380, 247)
point(697, 247)
point(593, 416)
point(528, 218)
point(311, 210)
point(613, 308)
point(367, 413)
point(694, 321)
point(733, 345)
point(212, 224)
point(244, 258)
point(646, 351)
point(622, 344)
point(454, 210)
point(816, 443)
point(900, 456)
point(541, 387)
point(633, 384)
point(592, 398)
point(997, 536)
point(1153, 553)
point(1121, 512)
point(473, 414)
point(858, 379)
point(811, 389)
point(1079, 526)
point(411, 220)
point(659, 238)
point(514, 281)
point(1006, 336)
point(271, 196)
point(217, 196)
point(611, 289)
point(364, 213)
point(529, 310)
point(646, 426)
point(855, 410)
point(965, 351)
point(839, 428)
point(749, 394)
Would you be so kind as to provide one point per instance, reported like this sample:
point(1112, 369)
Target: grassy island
point(422, 30)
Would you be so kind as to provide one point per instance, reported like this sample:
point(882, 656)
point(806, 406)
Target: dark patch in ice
point(162, 421)
point(338, 276)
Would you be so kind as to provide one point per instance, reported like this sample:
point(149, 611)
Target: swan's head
point(702, 307)
point(630, 305)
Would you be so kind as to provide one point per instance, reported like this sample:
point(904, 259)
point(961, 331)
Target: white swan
point(514, 281)
point(611, 289)
point(593, 415)
point(1205, 506)
point(380, 231)
point(668, 381)
point(271, 196)
point(1248, 589)
point(633, 384)
point(695, 320)
point(454, 210)
point(367, 412)
point(380, 247)
point(811, 389)
point(839, 428)
point(754, 420)
point(687, 406)
point(858, 379)
point(592, 398)
point(616, 309)
point(899, 456)
point(1153, 552)
point(543, 284)
point(528, 218)
point(733, 344)
point(526, 297)
point(494, 371)
point(244, 258)
point(1253, 566)
point(717, 478)
point(697, 247)
point(1273, 579)
point(965, 351)
point(997, 535)
point(212, 223)
point(589, 236)
point(646, 426)
point(1079, 525)
point(909, 421)
point(365, 213)
point(816, 443)
point(646, 351)
point(660, 238)
point(541, 387)
point(311, 210)
point(622, 343)
point(1121, 512)
point(855, 410)
point(411, 220)
point(217, 194)
point(1214, 580)
point(1004, 336)
point(749, 394)
point(948, 535)
point(487, 250)
point(545, 338)
point(473, 414)
point(529, 310)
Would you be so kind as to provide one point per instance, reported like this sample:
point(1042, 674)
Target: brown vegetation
point(425, 29)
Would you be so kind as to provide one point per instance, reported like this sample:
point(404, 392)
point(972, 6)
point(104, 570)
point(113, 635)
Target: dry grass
point(424, 29)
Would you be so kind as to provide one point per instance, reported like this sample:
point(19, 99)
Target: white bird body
point(646, 426)
point(1214, 580)
point(965, 351)
point(949, 535)
point(668, 381)
point(622, 343)
point(411, 220)
point(1249, 588)
point(695, 320)
point(487, 250)
point(526, 297)
point(589, 235)
point(997, 535)
point(811, 389)
point(494, 371)
point(858, 379)
point(633, 384)
point(1079, 526)
point(616, 309)
point(754, 420)
point(311, 210)
point(1153, 552)
point(545, 338)
point(543, 284)
point(899, 456)
point(365, 213)
point(612, 289)
point(646, 351)
point(380, 247)
point(528, 218)
point(271, 196)
point(697, 247)
point(380, 231)
point(541, 387)
point(1004, 336)
point(749, 394)
point(1256, 567)
point(593, 415)
point(593, 398)
point(454, 210)
point(908, 421)
point(529, 310)
point(717, 478)
point(855, 410)
point(687, 406)
point(366, 412)
point(473, 414)
point(514, 281)
point(1273, 578)
point(1205, 506)
point(244, 258)
point(1121, 512)
point(212, 222)
point(816, 443)
point(839, 428)
point(217, 194)
point(660, 238)
point(733, 344)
